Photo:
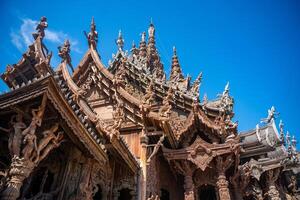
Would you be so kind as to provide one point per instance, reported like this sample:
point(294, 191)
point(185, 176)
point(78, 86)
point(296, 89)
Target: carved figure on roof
point(272, 114)
point(165, 109)
point(119, 118)
point(92, 36)
point(42, 25)
point(281, 126)
point(64, 53)
point(120, 41)
point(149, 96)
point(119, 77)
point(15, 138)
point(226, 102)
point(196, 85)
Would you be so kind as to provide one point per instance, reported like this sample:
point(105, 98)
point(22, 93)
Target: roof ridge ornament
point(64, 52)
point(120, 41)
point(272, 114)
point(142, 47)
point(281, 126)
point(40, 28)
point(92, 36)
point(196, 86)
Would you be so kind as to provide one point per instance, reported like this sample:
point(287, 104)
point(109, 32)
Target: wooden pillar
point(222, 164)
point(271, 177)
point(189, 187)
point(143, 174)
point(223, 189)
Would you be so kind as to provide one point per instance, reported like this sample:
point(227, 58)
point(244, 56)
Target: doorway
point(207, 192)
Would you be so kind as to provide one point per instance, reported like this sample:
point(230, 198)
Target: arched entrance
point(207, 192)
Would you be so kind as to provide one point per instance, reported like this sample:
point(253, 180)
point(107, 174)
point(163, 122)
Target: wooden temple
point(128, 132)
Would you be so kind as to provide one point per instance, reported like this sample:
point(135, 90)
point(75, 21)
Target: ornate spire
point(151, 40)
point(92, 36)
point(142, 47)
point(176, 73)
point(120, 41)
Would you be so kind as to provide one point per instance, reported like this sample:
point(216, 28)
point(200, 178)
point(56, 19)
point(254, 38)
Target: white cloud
point(22, 38)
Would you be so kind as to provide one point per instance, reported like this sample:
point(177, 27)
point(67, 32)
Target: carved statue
point(196, 85)
point(15, 138)
point(119, 118)
point(64, 53)
point(92, 36)
point(41, 28)
point(30, 145)
point(48, 142)
point(29, 134)
point(272, 114)
point(149, 96)
point(166, 107)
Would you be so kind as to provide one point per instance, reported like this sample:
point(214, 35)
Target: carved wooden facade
point(127, 132)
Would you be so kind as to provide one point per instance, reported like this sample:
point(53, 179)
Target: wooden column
point(271, 177)
point(222, 164)
point(143, 174)
point(189, 187)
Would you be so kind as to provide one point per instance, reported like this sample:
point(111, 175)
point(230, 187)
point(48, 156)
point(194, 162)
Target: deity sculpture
point(15, 138)
point(92, 36)
point(42, 25)
point(64, 53)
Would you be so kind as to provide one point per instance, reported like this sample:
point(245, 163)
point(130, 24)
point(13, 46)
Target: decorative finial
point(205, 99)
point(281, 125)
point(143, 39)
point(288, 138)
point(272, 114)
point(92, 36)
point(151, 30)
point(133, 44)
point(174, 51)
point(294, 141)
point(42, 25)
point(120, 41)
point(64, 53)
point(93, 21)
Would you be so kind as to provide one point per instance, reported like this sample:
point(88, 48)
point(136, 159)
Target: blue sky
point(253, 44)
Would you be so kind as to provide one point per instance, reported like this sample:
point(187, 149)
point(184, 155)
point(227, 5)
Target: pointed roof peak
point(93, 21)
point(174, 51)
